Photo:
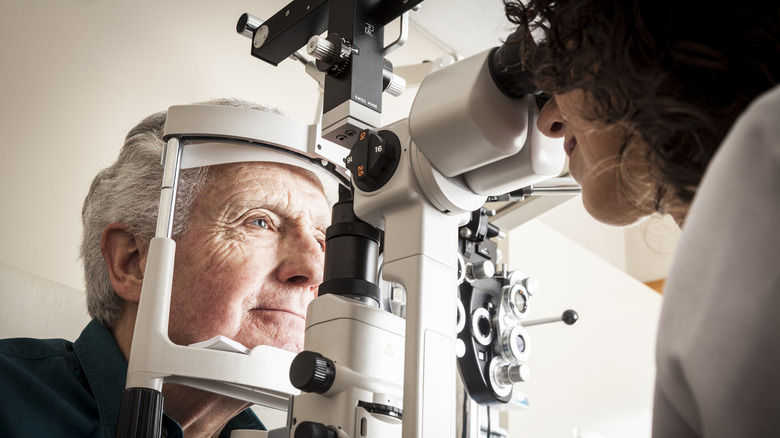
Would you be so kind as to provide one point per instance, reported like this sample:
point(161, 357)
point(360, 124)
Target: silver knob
point(531, 285)
point(396, 86)
point(512, 373)
point(260, 36)
point(321, 49)
point(247, 24)
point(480, 270)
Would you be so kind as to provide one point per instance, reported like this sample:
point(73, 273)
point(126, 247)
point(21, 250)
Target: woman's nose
point(550, 121)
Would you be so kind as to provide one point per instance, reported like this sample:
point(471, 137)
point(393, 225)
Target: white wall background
point(76, 75)
point(644, 250)
point(597, 375)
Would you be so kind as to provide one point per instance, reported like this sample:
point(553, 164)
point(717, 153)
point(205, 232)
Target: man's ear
point(125, 259)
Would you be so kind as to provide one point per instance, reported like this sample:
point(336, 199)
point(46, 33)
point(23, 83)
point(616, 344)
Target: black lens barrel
point(351, 253)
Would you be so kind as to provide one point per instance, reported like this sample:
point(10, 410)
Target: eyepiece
point(508, 70)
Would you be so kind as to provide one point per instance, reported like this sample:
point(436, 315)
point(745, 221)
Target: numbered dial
point(373, 159)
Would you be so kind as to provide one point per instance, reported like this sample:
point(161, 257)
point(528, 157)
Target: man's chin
point(293, 345)
point(277, 329)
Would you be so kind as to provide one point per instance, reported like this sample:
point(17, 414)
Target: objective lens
point(515, 301)
point(481, 327)
point(484, 327)
point(515, 345)
point(520, 302)
point(520, 343)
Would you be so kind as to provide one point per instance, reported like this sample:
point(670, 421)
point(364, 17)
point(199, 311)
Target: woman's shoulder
point(760, 122)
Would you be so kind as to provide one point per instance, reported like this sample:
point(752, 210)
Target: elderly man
point(249, 258)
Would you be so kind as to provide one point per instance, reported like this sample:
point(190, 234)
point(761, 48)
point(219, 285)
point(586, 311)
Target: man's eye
point(261, 222)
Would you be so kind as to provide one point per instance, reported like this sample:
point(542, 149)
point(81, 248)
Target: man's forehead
point(268, 172)
point(247, 185)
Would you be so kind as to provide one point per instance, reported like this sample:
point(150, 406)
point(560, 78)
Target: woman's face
point(594, 155)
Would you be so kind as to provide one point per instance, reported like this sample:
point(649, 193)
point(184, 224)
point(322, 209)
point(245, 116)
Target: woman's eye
point(261, 222)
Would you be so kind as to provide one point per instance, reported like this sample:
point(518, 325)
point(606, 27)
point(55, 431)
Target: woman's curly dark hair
point(677, 74)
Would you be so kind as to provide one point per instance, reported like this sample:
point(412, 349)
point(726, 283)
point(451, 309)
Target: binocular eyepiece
point(511, 73)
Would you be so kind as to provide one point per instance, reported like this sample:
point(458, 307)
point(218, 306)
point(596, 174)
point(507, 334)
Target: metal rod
point(171, 162)
point(569, 317)
point(403, 34)
point(555, 186)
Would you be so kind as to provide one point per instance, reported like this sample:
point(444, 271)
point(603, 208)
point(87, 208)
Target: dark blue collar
point(106, 370)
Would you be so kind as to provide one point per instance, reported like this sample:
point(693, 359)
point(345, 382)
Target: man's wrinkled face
point(252, 257)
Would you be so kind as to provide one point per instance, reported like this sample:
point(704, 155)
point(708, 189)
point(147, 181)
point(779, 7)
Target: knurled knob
point(312, 372)
point(308, 429)
point(322, 49)
point(396, 86)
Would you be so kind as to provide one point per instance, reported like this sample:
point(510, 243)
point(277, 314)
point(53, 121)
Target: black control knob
point(308, 429)
point(312, 372)
point(374, 159)
point(570, 317)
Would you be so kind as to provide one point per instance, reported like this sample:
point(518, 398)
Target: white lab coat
point(718, 352)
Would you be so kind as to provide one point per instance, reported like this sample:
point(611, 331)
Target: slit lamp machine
point(417, 323)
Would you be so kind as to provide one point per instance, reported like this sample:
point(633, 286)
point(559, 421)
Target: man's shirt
point(54, 387)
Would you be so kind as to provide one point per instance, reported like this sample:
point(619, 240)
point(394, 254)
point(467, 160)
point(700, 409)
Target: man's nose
point(302, 259)
point(550, 121)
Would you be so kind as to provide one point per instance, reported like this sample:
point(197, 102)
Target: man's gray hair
point(128, 192)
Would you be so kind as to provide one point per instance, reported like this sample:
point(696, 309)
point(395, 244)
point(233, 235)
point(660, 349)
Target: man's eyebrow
point(240, 206)
point(279, 207)
point(322, 223)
